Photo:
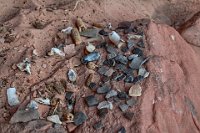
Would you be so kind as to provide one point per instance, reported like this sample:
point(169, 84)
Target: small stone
point(141, 43)
point(131, 44)
point(135, 90)
point(79, 118)
point(136, 63)
point(104, 89)
point(122, 130)
point(32, 105)
point(54, 119)
point(120, 67)
point(143, 72)
point(91, 65)
point(111, 56)
point(24, 116)
point(131, 57)
point(122, 95)
point(124, 49)
point(91, 57)
point(90, 47)
point(12, 97)
point(129, 79)
point(105, 79)
point(138, 79)
point(69, 95)
point(101, 45)
point(122, 59)
point(111, 50)
point(56, 51)
point(114, 37)
point(91, 33)
point(138, 51)
point(102, 112)
point(39, 24)
point(129, 115)
point(98, 125)
point(25, 66)
point(109, 62)
point(67, 30)
point(123, 107)
point(92, 85)
point(105, 104)
point(109, 72)
point(70, 49)
point(131, 102)
point(44, 101)
point(91, 101)
point(124, 25)
point(120, 77)
point(72, 75)
point(111, 93)
point(103, 33)
point(103, 69)
point(71, 127)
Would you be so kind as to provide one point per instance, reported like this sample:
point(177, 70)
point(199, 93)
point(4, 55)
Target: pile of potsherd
point(115, 55)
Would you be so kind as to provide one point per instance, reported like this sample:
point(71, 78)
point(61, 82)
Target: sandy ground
point(19, 15)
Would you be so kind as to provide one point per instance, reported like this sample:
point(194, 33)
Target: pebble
point(131, 57)
point(90, 47)
point(114, 37)
point(141, 44)
point(129, 79)
point(143, 72)
point(124, 25)
point(56, 51)
point(122, 130)
point(67, 30)
point(98, 125)
point(25, 66)
point(102, 112)
point(130, 44)
point(32, 105)
point(92, 85)
point(103, 33)
point(111, 56)
point(69, 95)
point(105, 104)
point(129, 115)
point(136, 63)
point(91, 101)
point(104, 89)
point(79, 118)
point(54, 119)
point(91, 57)
point(12, 97)
point(138, 51)
point(122, 59)
point(91, 33)
point(122, 95)
point(124, 49)
point(44, 101)
point(72, 75)
point(109, 62)
point(103, 69)
point(24, 116)
point(135, 90)
point(111, 93)
point(138, 79)
point(131, 102)
point(91, 65)
point(70, 49)
point(123, 107)
point(120, 77)
point(109, 72)
point(111, 50)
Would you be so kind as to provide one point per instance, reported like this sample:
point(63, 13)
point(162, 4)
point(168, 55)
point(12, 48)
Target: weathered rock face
point(190, 30)
point(170, 101)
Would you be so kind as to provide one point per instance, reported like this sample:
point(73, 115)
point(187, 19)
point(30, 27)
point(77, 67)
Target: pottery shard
point(135, 90)
point(24, 116)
